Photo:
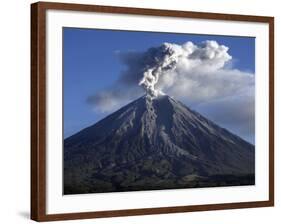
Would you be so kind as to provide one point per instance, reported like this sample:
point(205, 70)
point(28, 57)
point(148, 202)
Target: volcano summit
point(155, 144)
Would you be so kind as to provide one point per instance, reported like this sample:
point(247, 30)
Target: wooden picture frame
point(39, 112)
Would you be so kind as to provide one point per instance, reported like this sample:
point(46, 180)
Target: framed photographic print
point(143, 111)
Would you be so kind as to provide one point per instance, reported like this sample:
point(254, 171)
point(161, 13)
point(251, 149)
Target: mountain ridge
point(184, 143)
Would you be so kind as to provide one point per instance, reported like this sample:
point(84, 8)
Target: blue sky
point(91, 64)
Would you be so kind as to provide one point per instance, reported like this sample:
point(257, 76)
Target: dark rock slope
point(155, 144)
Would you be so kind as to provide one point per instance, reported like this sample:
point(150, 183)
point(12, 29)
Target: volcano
point(153, 144)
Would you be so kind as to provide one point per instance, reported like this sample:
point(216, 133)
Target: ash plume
point(168, 56)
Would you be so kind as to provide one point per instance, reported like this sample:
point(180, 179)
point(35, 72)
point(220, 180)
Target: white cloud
point(113, 98)
point(196, 86)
